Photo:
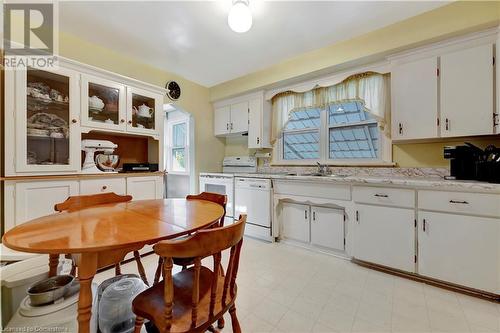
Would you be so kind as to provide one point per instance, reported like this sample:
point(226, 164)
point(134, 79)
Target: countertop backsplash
point(427, 173)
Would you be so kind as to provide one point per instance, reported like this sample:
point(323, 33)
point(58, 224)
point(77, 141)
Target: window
point(338, 132)
point(301, 135)
point(178, 145)
point(352, 132)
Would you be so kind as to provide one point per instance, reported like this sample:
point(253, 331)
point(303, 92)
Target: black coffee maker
point(462, 161)
point(469, 162)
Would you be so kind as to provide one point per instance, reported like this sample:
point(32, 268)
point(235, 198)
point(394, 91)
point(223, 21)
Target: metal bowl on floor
point(49, 290)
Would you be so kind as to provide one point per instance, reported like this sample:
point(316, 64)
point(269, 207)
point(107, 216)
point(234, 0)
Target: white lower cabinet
point(94, 186)
point(318, 226)
point(27, 200)
point(36, 199)
point(295, 222)
point(460, 249)
point(385, 236)
point(327, 227)
point(145, 188)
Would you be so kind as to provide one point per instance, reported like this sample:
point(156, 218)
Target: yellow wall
point(209, 150)
point(431, 154)
point(450, 20)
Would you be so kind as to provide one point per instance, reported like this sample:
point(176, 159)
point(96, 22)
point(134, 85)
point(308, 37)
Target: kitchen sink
point(318, 174)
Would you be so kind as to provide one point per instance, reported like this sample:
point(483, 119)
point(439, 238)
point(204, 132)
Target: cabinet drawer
point(460, 202)
point(309, 189)
point(93, 186)
point(384, 196)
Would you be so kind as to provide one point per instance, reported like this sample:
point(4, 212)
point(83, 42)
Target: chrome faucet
point(323, 169)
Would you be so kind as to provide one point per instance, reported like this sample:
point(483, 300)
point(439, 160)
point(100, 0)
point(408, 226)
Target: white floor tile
point(282, 288)
point(270, 311)
point(295, 322)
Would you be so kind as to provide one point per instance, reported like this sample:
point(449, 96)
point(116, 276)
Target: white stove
point(223, 183)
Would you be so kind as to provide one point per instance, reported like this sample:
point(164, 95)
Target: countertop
point(84, 176)
point(414, 182)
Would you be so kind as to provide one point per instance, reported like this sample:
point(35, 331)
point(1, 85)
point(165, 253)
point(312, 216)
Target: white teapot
point(96, 103)
point(144, 111)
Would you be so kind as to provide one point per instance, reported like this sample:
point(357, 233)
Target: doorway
point(179, 152)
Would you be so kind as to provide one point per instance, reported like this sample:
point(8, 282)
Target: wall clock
point(173, 90)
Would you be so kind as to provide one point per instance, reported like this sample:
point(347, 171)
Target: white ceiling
point(192, 38)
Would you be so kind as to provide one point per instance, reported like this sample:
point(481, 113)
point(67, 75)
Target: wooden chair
point(195, 298)
point(79, 202)
point(220, 199)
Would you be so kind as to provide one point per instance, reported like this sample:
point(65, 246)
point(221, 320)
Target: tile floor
point(282, 288)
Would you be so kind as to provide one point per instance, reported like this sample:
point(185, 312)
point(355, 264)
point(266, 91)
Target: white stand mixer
point(90, 147)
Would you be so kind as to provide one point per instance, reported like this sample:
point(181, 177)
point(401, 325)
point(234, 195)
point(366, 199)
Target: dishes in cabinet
point(47, 125)
point(44, 93)
point(95, 104)
point(143, 111)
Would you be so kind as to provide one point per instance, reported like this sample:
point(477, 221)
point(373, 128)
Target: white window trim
point(187, 154)
point(385, 146)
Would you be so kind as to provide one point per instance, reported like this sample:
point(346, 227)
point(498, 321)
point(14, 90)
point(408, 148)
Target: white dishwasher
point(253, 197)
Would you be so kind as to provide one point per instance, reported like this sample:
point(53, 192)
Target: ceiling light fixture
point(240, 16)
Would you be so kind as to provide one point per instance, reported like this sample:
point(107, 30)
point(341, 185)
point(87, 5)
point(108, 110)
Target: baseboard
point(430, 281)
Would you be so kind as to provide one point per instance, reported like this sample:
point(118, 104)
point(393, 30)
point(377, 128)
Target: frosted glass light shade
point(240, 17)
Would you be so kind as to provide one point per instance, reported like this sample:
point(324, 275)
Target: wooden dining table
point(102, 235)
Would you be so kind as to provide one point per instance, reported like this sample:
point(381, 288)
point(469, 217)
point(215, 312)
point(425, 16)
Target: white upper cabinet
point(231, 119)
point(415, 99)
point(222, 119)
point(245, 114)
point(103, 103)
point(46, 118)
point(239, 117)
point(467, 92)
point(445, 90)
point(144, 111)
point(47, 111)
point(259, 122)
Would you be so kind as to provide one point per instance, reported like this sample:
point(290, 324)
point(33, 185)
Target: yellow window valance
point(369, 88)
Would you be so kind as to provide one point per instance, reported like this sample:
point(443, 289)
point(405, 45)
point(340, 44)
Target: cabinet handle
point(314, 216)
point(357, 216)
point(424, 224)
point(130, 122)
point(227, 126)
point(305, 214)
point(104, 187)
point(231, 125)
point(258, 140)
point(400, 128)
point(447, 124)
point(381, 195)
point(74, 121)
point(122, 120)
point(459, 202)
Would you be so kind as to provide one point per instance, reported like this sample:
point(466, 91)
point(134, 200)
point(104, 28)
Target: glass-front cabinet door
point(144, 109)
point(103, 103)
point(47, 121)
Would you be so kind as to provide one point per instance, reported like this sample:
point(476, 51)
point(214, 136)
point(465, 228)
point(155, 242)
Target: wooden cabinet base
point(433, 282)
